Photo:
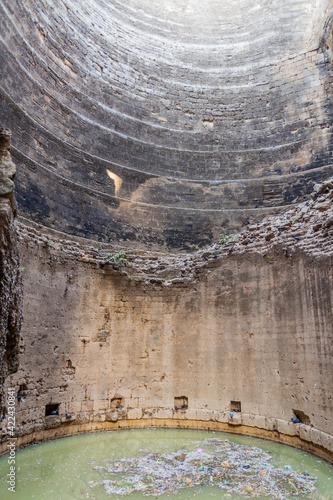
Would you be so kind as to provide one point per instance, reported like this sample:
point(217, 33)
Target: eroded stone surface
point(10, 278)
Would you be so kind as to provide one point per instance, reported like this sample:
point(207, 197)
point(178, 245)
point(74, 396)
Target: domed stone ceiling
point(164, 123)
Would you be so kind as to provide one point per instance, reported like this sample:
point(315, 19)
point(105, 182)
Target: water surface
point(165, 463)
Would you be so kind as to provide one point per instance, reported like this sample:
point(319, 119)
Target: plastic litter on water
point(232, 467)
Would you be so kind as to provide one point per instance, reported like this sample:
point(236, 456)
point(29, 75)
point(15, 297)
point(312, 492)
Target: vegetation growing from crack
point(225, 238)
point(119, 259)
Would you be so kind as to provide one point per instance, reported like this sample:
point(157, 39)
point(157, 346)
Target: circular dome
point(163, 124)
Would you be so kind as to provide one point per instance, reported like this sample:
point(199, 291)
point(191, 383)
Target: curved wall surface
point(163, 126)
point(244, 326)
point(168, 124)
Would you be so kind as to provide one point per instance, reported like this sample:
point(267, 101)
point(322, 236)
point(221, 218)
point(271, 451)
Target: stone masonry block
point(134, 414)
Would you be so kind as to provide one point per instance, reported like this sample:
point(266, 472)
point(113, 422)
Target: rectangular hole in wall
point(52, 409)
point(235, 406)
point(181, 403)
point(117, 402)
point(302, 417)
point(22, 390)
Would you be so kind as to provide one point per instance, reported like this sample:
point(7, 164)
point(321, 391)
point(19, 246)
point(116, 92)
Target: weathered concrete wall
point(249, 321)
point(209, 121)
point(10, 278)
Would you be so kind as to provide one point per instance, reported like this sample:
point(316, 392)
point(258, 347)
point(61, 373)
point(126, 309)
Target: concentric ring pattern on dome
point(164, 123)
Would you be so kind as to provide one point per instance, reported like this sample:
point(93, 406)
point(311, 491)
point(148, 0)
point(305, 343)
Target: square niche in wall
point(52, 409)
point(235, 406)
point(181, 403)
point(302, 417)
point(117, 401)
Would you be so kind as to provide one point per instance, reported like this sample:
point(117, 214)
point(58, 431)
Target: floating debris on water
point(232, 467)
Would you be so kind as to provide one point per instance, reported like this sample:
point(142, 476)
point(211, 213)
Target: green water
point(75, 467)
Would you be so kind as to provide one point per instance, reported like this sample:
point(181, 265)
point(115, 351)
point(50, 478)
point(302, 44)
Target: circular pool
point(160, 463)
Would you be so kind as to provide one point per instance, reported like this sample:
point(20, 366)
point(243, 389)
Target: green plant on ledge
point(119, 259)
point(225, 238)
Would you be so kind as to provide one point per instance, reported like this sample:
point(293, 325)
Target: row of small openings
point(181, 403)
point(53, 408)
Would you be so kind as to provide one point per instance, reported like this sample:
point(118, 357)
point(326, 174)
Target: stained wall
point(205, 118)
point(245, 323)
point(204, 127)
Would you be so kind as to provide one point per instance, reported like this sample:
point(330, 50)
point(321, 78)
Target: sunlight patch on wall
point(116, 179)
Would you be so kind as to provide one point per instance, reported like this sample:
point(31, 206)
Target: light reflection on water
point(64, 469)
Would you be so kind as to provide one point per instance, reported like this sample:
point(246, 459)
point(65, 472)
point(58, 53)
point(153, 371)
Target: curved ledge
point(299, 436)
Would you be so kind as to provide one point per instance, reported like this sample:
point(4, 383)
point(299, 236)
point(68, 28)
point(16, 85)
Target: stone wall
point(145, 129)
point(244, 324)
point(203, 123)
point(10, 278)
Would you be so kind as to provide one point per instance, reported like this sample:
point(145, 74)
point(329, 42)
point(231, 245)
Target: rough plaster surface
point(209, 115)
point(247, 321)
